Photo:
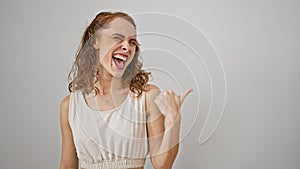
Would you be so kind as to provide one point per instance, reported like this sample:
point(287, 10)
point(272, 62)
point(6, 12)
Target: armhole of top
point(145, 103)
point(71, 104)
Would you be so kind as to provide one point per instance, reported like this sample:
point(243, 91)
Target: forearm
point(165, 160)
point(164, 156)
point(163, 132)
point(62, 166)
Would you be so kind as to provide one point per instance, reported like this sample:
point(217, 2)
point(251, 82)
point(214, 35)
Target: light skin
point(161, 108)
point(118, 39)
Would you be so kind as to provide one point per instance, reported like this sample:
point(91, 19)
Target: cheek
point(102, 56)
point(106, 47)
point(134, 54)
point(105, 53)
point(131, 60)
point(104, 59)
point(134, 50)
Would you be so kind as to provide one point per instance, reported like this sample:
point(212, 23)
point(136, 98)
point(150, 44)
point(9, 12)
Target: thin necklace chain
point(108, 100)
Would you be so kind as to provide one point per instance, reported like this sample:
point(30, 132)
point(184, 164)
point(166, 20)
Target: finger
point(185, 94)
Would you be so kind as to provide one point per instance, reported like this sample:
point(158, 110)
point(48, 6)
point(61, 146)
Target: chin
point(118, 73)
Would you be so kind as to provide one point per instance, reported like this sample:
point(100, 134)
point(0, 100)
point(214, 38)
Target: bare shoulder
point(150, 88)
point(68, 157)
point(65, 102)
point(64, 115)
point(151, 92)
point(64, 105)
point(155, 120)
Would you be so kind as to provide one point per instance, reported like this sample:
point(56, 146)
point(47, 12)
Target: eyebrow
point(122, 36)
point(118, 34)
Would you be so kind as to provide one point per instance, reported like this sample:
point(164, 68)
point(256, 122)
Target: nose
point(125, 46)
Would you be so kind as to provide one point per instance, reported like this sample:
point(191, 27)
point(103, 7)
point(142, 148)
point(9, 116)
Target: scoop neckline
point(105, 111)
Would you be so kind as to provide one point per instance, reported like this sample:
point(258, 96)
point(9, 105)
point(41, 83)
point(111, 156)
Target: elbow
point(165, 160)
point(161, 163)
point(64, 166)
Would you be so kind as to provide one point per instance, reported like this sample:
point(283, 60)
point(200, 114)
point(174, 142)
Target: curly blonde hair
point(85, 70)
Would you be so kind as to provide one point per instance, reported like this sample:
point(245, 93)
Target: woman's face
point(116, 46)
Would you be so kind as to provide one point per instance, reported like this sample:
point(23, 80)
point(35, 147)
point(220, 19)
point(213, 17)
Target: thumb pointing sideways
point(160, 99)
point(185, 94)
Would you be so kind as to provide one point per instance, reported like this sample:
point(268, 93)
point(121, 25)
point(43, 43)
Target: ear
point(96, 44)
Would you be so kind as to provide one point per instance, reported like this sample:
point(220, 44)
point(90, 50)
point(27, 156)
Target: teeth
point(120, 57)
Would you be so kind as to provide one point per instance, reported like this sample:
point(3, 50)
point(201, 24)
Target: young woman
point(112, 117)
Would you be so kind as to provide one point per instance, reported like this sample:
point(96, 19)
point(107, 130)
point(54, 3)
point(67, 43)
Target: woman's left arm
point(163, 126)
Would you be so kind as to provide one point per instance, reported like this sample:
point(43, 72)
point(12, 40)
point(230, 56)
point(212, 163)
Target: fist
point(170, 104)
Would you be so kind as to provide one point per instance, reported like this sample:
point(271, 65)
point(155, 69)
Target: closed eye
point(133, 42)
point(117, 38)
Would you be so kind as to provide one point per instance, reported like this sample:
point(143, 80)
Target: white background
point(258, 44)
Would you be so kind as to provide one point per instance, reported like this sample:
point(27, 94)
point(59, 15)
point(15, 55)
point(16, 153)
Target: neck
point(107, 84)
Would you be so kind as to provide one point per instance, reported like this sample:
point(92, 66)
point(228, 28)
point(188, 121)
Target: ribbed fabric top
point(113, 139)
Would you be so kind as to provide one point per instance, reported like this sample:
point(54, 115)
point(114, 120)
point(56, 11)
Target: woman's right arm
point(69, 159)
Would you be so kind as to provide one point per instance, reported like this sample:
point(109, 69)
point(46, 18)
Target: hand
point(170, 104)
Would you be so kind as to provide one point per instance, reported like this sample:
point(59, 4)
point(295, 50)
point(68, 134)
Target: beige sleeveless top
point(113, 139)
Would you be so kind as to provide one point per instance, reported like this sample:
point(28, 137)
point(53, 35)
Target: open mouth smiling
point(119, 60)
